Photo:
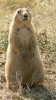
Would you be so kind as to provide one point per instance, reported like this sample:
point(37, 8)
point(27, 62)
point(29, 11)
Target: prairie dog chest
point(24, 35)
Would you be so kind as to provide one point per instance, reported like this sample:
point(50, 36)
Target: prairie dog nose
point(25, 15)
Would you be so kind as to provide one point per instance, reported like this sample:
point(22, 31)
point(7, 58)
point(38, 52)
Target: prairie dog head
point(22, 15)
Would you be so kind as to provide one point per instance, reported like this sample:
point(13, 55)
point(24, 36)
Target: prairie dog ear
point(29, 11)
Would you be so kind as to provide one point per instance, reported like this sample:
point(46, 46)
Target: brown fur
point(22, 53)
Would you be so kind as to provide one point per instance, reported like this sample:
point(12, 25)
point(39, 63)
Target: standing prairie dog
point(22, 53)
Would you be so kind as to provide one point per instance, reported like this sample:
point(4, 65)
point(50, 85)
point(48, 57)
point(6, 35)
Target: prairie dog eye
point(19, 11)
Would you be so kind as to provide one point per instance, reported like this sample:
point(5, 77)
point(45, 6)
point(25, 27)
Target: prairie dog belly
point(24, 38)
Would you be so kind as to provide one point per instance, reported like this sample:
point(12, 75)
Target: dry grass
point(44, 19)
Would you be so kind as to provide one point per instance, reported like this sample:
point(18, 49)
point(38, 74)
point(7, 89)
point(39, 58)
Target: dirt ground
point(48, 92)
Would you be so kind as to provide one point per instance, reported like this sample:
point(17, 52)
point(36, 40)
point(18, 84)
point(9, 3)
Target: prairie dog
point(23, 53)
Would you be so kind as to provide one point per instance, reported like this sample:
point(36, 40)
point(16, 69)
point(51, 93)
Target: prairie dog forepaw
point(23, 55)
point(32, 54)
